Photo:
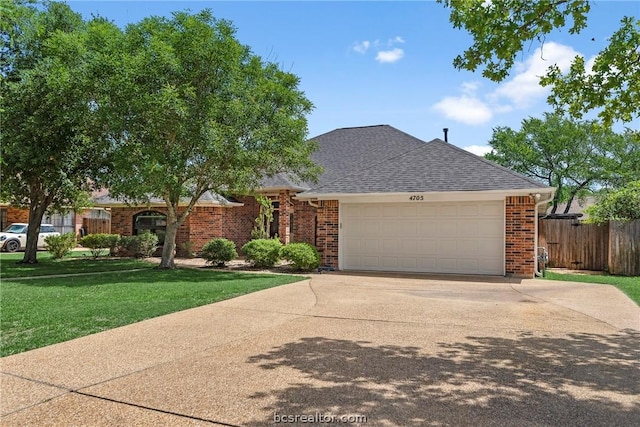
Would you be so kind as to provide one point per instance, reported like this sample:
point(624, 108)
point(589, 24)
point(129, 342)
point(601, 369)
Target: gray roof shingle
point(382, 159)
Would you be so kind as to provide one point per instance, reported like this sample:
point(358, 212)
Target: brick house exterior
point(477, 217)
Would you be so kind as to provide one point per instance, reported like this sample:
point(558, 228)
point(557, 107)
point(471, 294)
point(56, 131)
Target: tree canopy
point(190, 110)
point(619, 205)
point(575, 157)
point(501, 29)
point(47, 153)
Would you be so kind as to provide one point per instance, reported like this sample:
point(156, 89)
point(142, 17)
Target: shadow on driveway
point(581, 379)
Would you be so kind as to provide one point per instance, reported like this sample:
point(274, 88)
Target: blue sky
point(389, 62)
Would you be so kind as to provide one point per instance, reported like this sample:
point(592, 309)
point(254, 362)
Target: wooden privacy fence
point(96, 225)
point(624, 248)
point(613, 246)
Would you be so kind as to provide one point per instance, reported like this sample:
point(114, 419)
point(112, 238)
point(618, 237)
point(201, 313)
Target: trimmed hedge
point(262, 253)
point(97, 243)
point(303, 256)
point(219, 251)
point(141, 246)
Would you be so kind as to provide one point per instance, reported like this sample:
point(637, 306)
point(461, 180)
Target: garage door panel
point(445, 210)
point(407, 229)
point(465, 237)
point(371, 261)
point(447, 228)
point(427, 211)
point(491, 209)
point(409, 246)
point(427, 228)
point(390, 245)
point(428, 246)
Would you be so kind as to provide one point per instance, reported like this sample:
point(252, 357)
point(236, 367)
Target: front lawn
point(76, 262)
point(628, 285)
point(38, 312)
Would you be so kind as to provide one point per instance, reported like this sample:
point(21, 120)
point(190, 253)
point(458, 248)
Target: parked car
point(14, 237)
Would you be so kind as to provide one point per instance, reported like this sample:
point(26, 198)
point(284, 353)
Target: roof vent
point(446, 131)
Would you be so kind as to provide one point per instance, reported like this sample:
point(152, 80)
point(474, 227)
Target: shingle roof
point(382, 159)
point(208, 198)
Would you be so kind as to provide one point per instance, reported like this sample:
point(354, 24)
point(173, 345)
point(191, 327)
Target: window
point(152, 221)
point(275, 224)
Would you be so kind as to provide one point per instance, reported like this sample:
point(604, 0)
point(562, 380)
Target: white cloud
point(362, 47)
point(385, 52)
point(389, 56)
point(518, 92)
point(478, 150)
point(524, 88)
point(465, 109)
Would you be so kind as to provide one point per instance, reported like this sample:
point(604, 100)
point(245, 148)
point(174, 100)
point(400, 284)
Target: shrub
point(303, 256)
point(141, 246)
point(96, 243)
point(60, 246)
point(219, 251)
point(263, 253)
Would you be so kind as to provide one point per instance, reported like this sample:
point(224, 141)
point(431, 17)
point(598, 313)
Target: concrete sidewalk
point(397, 350)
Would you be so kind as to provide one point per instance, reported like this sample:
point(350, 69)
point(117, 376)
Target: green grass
point(42, 311)
point(629, 285)
point(77, 262)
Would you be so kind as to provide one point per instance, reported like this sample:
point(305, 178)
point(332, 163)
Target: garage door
point(463, 238)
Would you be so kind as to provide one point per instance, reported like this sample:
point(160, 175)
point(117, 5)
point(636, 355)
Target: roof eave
point(435, 196)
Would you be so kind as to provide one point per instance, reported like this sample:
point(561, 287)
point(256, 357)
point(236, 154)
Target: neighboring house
point(576, 210)
point(63, 223)
point(386, 202)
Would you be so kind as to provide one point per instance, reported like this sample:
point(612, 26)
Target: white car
point(14, 237)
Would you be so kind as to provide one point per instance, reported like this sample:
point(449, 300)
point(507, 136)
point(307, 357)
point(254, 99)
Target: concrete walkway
point(396, 350)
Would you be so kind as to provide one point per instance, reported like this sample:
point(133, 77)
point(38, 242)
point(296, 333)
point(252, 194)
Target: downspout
point(535, 254)
point(315, 205)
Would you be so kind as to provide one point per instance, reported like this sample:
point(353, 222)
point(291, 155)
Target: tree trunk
point(569, 202)
point(169, 248)
point(36, 212)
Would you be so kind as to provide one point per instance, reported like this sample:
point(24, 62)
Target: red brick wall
point(17, 215)
point(304, 222)
point(520, 236)
point(203, 224)
point(237, 222)
point(327, 233)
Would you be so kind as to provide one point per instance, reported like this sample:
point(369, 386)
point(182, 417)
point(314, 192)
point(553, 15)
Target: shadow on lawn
point(149, 276)
point(581, 380)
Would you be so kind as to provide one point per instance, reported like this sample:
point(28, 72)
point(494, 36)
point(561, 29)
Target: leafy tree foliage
point(501, 29)
point(620, 205)
point(574, 157)
point(192, 110)
point(47, 153)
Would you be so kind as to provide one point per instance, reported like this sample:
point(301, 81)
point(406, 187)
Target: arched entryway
point(153, 221)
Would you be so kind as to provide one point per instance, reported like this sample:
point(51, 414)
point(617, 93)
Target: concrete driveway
point(398, 350)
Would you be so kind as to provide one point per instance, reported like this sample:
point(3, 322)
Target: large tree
point(501, 29)
point(197, 112)
point(575, 157)
point(47, 152)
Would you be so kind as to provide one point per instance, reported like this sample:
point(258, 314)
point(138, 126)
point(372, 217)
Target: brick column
point(327, 232)
point(520, 248)
point(284, 217)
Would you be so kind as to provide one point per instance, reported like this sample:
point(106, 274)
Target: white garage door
point(464, 237)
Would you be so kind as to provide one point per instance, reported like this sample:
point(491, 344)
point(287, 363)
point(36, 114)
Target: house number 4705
point(416, 198)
